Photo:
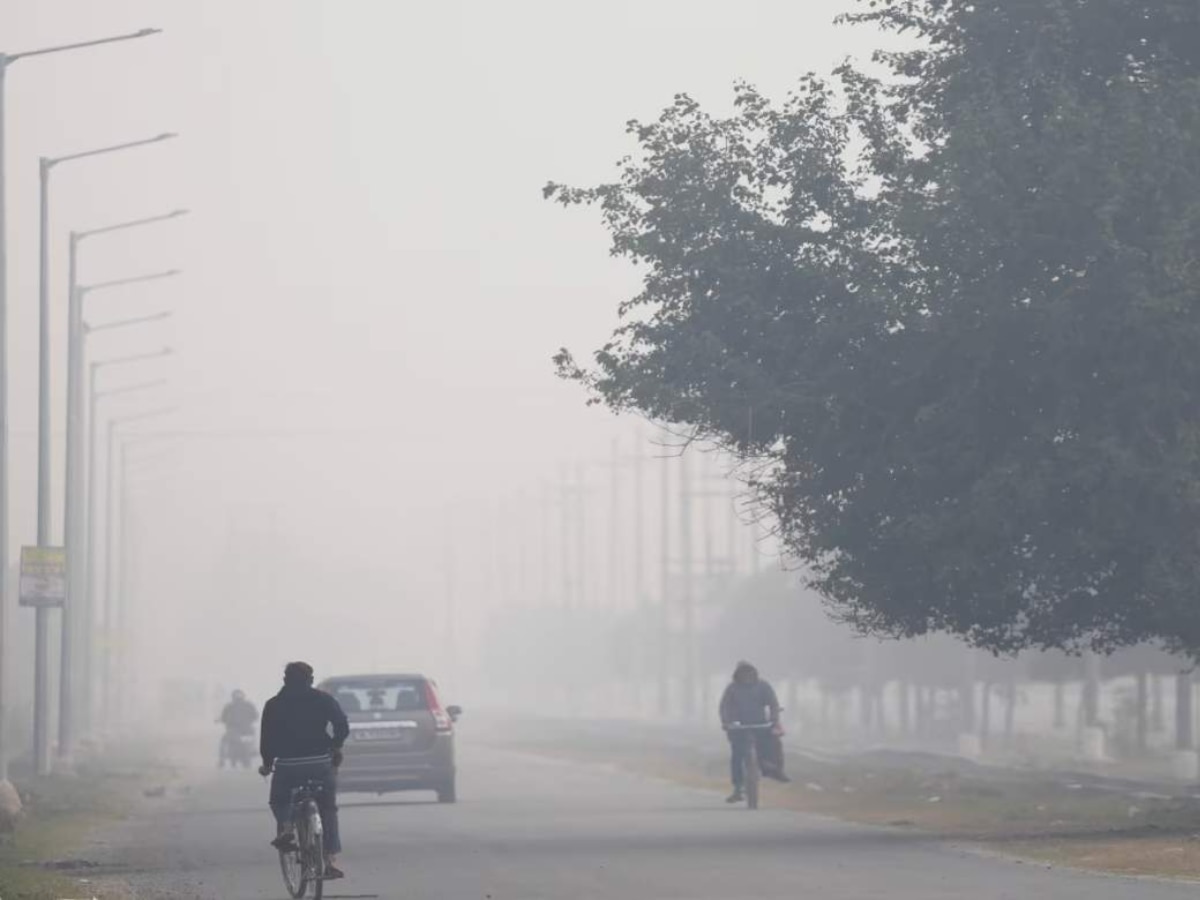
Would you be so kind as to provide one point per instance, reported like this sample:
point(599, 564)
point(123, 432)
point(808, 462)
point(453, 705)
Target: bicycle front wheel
point(753, 776)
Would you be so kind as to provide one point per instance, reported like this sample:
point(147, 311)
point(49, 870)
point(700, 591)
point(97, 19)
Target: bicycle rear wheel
point(315, 852)
point(753, 774)
point(292, 866)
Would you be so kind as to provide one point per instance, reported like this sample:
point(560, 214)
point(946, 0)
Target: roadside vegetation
point(48, 856)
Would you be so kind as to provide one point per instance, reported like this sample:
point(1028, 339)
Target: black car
point(401, 737)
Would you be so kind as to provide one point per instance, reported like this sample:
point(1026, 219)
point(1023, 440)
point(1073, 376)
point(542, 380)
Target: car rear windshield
point(379, 695)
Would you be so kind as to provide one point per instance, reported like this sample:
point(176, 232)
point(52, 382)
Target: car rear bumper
point(377, 771)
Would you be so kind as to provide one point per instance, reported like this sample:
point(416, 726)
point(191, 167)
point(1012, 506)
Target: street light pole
point(87, 693)
point(90, 512)
point(68, 621)
point(4, 61)
point(45, 165)
point(109, 607)
point(77, 614)
point(41, 745)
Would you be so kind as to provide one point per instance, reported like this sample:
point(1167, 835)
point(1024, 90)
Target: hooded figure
point(748, 700)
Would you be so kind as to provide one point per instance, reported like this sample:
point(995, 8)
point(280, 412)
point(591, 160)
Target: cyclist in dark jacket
point(748, 700)
point(303, 730)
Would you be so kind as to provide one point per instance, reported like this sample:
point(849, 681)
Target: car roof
point(376, 676)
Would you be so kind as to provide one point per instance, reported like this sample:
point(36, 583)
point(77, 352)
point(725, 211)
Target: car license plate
point(379, 734)
point(399, 732)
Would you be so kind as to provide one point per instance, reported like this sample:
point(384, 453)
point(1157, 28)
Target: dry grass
point(40, 861)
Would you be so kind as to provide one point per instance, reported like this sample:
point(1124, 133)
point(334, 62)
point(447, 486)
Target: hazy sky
point(369, 259)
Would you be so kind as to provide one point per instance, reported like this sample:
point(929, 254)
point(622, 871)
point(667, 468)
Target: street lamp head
point(146, 32)
point(167, 135)
point(175, 214)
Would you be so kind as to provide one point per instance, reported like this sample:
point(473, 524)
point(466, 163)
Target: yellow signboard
point(43, 576)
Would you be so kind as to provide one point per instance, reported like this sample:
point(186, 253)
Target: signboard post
point(43, 576)
point(43, 587)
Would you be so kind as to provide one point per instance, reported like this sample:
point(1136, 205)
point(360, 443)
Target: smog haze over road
point(373, 287)
point(336, 433)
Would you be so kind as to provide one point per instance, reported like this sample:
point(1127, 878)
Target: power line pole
point(580, 513)
point(664, 605)
point(544, 505)
point(613, 582)
point(639, 574)
point(564, 542)
point(450, 651)
point(686, 586)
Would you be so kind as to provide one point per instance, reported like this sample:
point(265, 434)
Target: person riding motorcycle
point(303, 730)
point(238, 717)
point(749, 700)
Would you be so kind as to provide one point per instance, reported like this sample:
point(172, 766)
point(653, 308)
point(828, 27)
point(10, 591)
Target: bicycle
point(304, 864)
point(751, 769)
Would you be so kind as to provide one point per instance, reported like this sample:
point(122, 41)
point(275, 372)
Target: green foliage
point(954, 315)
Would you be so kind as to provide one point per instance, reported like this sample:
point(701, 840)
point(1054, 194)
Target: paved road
point(530, 828)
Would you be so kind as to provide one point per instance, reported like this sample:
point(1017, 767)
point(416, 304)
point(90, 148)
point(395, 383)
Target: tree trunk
point(1158, 722)
point(1091, 690)
point(1143, 702)
point(985, 715)
point(902, 707)
point(1010, 711)
point(1060, 705)
point(1184, 738)
point(966, 696)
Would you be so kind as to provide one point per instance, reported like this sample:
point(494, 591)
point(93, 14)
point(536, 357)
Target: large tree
point(952, 313)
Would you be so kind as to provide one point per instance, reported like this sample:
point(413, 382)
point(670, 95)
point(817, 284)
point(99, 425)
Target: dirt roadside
point(74, 826)
point(1036, 816)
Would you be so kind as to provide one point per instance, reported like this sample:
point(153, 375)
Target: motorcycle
point(236, 750)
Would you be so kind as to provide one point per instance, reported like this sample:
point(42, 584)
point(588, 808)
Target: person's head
point(238, 696)
point(744, 673)
point(298, 674)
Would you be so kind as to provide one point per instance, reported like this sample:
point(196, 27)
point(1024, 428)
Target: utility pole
point(686, 587)
point(664, 605)
point(639, 573)
point(580, 514)
point(544, 509)
point(450, 650)
point(41, 687)
point(520, 531)
point(564, 542)
point(613, 582)
point(710, 572)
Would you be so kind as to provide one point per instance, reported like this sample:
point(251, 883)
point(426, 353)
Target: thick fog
point(367, 460)
point(372, 290)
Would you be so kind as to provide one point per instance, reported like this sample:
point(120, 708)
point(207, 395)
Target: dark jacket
point(297, 723)
point(748, 700)
point(239, 717)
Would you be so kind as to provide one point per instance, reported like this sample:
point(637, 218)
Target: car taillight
point(441, 720)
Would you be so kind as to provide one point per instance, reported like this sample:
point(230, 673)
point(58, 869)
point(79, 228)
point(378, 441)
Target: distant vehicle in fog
point(401, 737)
